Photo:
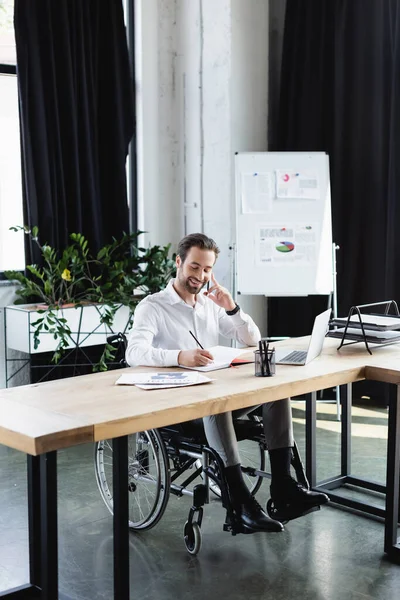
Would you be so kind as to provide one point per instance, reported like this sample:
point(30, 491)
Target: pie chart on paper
point(285, 247)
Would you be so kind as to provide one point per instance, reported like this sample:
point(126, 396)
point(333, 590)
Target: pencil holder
point(264, 363)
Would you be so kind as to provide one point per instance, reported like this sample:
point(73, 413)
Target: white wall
point(249, 98)
point(157, 116)
point(203, 83)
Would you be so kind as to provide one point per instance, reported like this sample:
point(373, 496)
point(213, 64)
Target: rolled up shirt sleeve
point(140, 350)
point(240, 326)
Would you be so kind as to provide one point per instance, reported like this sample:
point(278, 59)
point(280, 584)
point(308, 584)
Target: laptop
point(295, 356)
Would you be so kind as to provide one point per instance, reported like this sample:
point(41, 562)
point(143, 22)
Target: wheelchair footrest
point(292, 512)
point(230, 523)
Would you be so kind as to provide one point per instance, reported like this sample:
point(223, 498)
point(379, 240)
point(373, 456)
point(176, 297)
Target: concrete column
point(204, 86)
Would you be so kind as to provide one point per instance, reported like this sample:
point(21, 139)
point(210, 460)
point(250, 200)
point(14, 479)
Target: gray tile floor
point(328, 555)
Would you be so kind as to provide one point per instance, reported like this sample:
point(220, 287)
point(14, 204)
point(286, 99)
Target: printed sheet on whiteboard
point(291, 244)
point(297, 184)
point(257, 192)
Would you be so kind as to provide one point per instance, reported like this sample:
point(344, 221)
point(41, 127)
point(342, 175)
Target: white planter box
point(84, 322)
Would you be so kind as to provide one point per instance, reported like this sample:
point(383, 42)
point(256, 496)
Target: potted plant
point(113, 280)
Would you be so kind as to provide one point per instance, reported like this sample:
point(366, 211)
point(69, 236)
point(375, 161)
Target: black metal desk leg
point(346, 402)
point(32, 590)
point(392, 547)
point(34, 520)
point(121, 518)
point(43, 542)
point(49, 526)
point(311, 432)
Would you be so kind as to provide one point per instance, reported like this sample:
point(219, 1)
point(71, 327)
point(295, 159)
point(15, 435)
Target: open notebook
point(223, 358)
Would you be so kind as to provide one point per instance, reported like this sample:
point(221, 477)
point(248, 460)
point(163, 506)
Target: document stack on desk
point(378, 329)
point(371, 335)
point(370, 321)
point(160, 380)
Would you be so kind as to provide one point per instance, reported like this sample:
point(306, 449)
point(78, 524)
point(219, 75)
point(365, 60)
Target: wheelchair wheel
point(192, 538)
point(148, 478)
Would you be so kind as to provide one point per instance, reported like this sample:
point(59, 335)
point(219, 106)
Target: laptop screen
point(318, 335)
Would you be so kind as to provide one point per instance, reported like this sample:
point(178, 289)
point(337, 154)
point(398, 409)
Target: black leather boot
point(291, 500)
point(249, 512)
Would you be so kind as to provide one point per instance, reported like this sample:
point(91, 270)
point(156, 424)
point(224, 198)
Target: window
point(11, 244)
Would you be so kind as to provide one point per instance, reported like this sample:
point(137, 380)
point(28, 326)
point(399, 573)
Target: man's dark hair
point(196, 240)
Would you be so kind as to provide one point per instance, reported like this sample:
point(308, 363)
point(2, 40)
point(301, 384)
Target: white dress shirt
point(162, 323)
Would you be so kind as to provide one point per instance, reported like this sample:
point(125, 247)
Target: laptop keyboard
point(295, 357)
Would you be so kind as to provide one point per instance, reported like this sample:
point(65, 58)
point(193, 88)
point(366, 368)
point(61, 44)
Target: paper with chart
point(223, 357)
point(290, 243)
point(257, 192)
point(291, 183)
point(161, 380)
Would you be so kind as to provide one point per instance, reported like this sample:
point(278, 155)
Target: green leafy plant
point(121, 273)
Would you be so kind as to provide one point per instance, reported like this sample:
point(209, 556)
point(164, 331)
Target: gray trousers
point(278, 429)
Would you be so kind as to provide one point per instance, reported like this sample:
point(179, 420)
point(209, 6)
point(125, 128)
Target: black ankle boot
point(251, 515)
point(291, 500)
point(280, 460)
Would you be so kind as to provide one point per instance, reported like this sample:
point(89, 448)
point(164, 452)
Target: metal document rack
point(369, 328)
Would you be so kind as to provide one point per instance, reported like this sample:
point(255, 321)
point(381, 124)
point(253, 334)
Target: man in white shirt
point(161, 337)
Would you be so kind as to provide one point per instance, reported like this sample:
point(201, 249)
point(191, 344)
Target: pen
point(267, 365)
point(196, 340)
point(260, 349)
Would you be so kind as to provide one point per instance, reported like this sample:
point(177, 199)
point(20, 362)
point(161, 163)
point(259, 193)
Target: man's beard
point(184, 281)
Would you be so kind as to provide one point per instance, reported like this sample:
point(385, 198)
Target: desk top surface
point(42, 417)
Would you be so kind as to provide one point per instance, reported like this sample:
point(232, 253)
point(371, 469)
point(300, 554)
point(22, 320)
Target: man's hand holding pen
point(195, 358)
point(220, 295)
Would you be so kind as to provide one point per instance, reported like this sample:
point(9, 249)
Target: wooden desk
point(41, 418)
point(59, 411)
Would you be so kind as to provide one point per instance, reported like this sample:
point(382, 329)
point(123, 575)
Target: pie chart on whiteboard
point(284, 247)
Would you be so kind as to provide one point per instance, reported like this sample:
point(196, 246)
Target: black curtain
point(77, 118)
point(340, 94)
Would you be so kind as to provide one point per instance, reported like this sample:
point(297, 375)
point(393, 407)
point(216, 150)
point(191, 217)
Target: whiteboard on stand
point(283, 224)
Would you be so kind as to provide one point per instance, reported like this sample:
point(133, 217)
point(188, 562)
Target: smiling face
point(193, 274)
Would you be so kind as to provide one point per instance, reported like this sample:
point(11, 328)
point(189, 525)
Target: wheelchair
point(166, 461)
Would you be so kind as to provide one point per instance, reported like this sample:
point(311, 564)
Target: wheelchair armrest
point(117, 338)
